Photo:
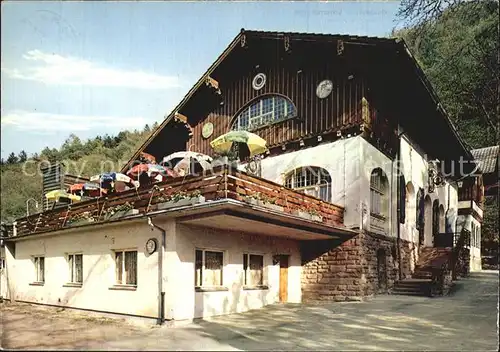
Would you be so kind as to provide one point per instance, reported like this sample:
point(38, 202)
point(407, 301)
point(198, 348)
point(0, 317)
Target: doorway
point(283, 292)
point(382, 271)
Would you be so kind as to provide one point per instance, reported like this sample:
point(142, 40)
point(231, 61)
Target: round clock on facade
point(324, 88)
point(151, 246)
point(207, 130)
point(259, 81)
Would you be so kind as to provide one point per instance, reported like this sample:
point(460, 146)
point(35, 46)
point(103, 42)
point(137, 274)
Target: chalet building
point(357, 194)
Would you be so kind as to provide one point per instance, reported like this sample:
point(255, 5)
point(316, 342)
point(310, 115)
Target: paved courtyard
point(466, 320)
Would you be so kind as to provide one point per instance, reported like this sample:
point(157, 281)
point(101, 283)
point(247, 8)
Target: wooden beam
point(212, 83)
point(179, 117)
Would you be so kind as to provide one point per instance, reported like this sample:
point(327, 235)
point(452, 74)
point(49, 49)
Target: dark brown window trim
point(258, 287)
point(211, 289)
point(73, 284)
point(124, 287)
point(38, 283)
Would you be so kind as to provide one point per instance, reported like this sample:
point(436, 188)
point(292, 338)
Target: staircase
point(420, 282)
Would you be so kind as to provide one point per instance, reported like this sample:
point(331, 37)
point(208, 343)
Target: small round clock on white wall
point(151, 246)
point(324, 88)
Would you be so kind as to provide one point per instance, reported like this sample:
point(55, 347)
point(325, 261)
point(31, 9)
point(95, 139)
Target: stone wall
point(362, 266)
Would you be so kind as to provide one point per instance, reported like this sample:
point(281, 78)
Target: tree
point(422, 15)
point(457, 51)
point(12, 159)
point(23, 156)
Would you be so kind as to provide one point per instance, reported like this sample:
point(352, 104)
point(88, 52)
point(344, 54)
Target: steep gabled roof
point(487, 158)
point(391, 44)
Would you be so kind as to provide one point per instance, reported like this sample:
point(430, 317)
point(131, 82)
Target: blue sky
point(92, 68)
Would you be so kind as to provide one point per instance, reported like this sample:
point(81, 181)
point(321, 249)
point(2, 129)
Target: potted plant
point(253, 199)
point(80, 219)
point(315, 215)
point(120, 211)
point(180, 199)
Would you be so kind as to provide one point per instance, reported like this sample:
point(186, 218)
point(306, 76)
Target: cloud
point(50, 123)
point(53, 69)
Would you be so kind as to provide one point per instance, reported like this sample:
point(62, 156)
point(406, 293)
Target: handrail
point(458, 252)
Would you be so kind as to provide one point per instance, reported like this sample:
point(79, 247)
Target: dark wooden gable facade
point(370, 95)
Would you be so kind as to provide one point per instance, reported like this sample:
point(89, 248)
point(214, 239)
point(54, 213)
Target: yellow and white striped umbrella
point(55, 195)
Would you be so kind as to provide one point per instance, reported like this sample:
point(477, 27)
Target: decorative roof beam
point(212, 83)
point(178, 117)
point(340, 47)
point(287, 43)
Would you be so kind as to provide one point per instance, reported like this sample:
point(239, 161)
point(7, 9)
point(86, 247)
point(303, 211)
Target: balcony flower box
point(258, 202)
point(121, 214)
point(302, 214)
point(181, 203)
point(308, 216)
point(79, 222)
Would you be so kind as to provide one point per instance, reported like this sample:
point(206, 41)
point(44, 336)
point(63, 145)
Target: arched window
point(379, 200)
point(435, 217)
point(419, 215)
point(311, 180)
point(410, 203)
point(442, 223)
point(265, 111)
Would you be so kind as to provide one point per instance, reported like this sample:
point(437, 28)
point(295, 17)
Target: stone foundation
point(362, 266)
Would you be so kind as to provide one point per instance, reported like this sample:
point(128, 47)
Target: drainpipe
point(161, 297)
point(398, 208)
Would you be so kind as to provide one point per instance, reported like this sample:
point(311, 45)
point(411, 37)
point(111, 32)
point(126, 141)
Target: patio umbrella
point(87, 189)
point(174, 159)
point(151, 169)
point(113, 181)
point(224, 143)
point(56, 194)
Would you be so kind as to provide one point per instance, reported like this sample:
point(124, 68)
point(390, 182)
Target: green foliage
point(458, 51)
point(21, 180)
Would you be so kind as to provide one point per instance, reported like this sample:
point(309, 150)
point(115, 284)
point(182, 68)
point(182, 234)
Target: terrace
point(222, 198)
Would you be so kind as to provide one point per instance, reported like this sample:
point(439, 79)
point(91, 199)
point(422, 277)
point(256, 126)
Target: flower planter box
point(274, 207)
point(121, 214)
point(181, 203)
point(308, 216)
point(80, 222)
point(302, 214)
point(260, 203)
point(317, 218)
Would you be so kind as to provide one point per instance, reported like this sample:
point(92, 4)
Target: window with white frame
point(253, 269)
point(75, 267)
point(311, 180)
point(267, 110)
point(39, 269)
point(379, 204)
point(208, 268)
point(126, 267)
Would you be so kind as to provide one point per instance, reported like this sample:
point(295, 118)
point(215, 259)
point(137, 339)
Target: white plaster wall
point(342, 159)
point(97, 245)
point(191, 304)
point(371, 159)
point(466, 221)
point(414, 167)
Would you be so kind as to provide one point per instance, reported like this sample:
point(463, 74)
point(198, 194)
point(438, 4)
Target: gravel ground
point(466, 320)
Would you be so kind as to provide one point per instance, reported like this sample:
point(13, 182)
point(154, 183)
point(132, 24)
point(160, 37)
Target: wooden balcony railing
point(219, 183)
